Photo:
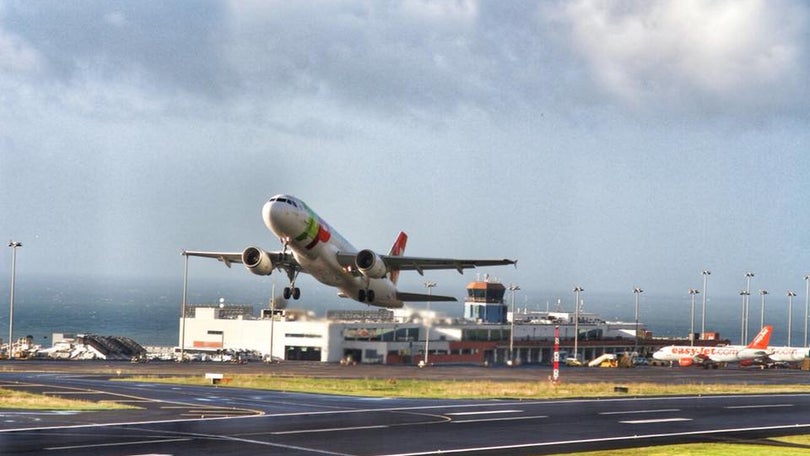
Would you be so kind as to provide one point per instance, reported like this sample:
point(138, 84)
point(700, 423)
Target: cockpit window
point(281, 199)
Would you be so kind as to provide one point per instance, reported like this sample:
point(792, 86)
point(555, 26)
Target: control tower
point(485, 301)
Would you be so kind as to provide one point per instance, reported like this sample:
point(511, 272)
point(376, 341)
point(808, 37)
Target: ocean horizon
point(148, 310)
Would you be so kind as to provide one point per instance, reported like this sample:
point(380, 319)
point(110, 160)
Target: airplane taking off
point(311, 246)
point(687, 355)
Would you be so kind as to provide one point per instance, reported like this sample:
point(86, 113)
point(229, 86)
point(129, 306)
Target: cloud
point(694, 55)
point(17, 56)
point(395, 57)
point(290, 65)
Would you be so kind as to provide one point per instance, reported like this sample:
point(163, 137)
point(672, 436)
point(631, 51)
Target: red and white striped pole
point(555, 375)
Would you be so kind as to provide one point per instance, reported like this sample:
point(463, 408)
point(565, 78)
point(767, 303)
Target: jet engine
point(370, 264)
point(257, 261)
point(683, 362)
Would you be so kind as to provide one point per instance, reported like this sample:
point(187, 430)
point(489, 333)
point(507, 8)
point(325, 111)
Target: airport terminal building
point(483, 336)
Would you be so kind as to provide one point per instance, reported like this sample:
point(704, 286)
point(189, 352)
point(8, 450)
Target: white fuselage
point(731, 353)
point(315, 246)
point(720, 354)
point(788, 354)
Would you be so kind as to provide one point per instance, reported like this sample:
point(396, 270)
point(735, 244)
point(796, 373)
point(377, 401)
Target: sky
point(603, 144)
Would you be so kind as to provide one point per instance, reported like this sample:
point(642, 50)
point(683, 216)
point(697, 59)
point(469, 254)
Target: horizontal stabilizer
point(416, 297)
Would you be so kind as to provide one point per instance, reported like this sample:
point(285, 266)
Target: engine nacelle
point(257, 261)
point(370, 264)
point(684, 362)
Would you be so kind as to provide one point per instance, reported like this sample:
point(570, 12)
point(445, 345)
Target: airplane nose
point(267, 215)
point(281, 217)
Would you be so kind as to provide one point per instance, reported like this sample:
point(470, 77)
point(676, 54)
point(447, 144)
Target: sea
point(149, 310)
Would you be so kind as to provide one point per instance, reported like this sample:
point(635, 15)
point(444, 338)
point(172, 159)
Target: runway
point(208, 420)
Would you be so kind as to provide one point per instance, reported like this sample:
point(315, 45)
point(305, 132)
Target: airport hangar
point(402, 336)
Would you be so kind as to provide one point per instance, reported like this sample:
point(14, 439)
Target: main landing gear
point(365, 295)
point(292, 290)
point(295, 292)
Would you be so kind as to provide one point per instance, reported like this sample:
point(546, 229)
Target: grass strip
point(22, 400)
point(468, 389)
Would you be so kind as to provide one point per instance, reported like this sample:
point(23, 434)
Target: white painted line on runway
point(484, 412)
point(65, 393)
point(661, 420)
point(758, 406)
point(308, 431)
point(634, 438)
point(100, 445)
point(514, 418)
point(632, 412)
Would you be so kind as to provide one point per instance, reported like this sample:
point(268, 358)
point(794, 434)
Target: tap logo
point(316, 230)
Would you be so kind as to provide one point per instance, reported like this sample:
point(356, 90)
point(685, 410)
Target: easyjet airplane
point(780, 356)
point(687, 355)
point(311, 246)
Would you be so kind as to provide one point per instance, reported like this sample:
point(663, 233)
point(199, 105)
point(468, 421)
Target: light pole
point(762, 293)
point(692, 292)
point(577, 290)
point(748, 276)
point(272, 318)
point(636, 291)
point(513, 289)
point(790, 296)
point(183, 310)
point(744, 295)
point(706, 273)
point(806, 305)
point(429, 285)
point(13, 245)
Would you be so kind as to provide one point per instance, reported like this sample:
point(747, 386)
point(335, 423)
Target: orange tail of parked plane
point(761, 341)
point(397, 250)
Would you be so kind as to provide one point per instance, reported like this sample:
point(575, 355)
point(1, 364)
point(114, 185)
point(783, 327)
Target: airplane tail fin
point(397, 250)
point(761, 340)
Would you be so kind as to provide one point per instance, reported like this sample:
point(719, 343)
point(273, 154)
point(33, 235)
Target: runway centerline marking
point(512, 418)
point(633, 412)
point(100, 445)
point(758, 406)
point(483, 412)
point(660, 420)
point(312, 431)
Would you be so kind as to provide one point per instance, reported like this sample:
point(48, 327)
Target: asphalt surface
point(174, 419)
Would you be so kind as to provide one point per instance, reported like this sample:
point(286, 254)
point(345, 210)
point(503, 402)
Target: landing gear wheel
point(361, 295)
point(296, 293)
point(287, 293)
point(370, 295)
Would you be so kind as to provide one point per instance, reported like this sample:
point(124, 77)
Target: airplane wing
point(226, 257)
point(420, 264)
point(416, 297)
point(280, 259)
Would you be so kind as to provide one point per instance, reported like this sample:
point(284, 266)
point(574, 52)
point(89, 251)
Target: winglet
point(761, 340)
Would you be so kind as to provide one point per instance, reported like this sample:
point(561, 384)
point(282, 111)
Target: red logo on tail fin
point(762, 339)
point(397, 250)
